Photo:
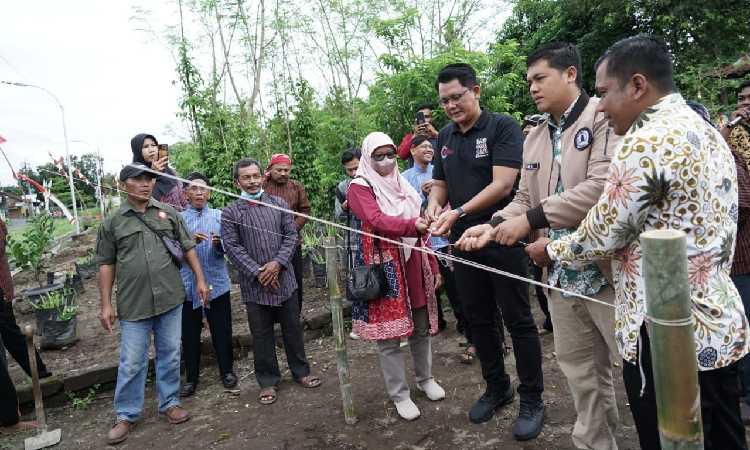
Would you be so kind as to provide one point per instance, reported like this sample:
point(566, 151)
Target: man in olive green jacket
point(565, 163)
point(150, 294)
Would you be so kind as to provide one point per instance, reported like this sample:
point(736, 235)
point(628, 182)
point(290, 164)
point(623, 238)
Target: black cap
point(134, 170)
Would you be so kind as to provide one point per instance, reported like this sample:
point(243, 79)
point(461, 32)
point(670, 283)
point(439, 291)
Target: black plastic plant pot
point(319, 274)
point(57, 333)
point(34, 295)
point(74, 282)
point(86, 271)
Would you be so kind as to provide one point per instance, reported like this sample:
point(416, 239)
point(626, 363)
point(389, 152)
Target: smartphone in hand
point(163, 151)
point(420, 118)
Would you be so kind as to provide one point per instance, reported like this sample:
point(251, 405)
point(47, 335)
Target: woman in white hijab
point(388, 206)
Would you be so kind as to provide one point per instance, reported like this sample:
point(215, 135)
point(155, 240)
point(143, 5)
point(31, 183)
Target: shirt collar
point(198, 211)
point(571, 114)
point(482, 121)
point(667, 101)
point(127, 206)
point(419, 169)
point(263, 198)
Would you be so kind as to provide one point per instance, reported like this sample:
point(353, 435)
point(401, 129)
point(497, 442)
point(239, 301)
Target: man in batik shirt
point(672, 171)
point(737, 136)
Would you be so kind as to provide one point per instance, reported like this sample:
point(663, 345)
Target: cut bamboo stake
point(672, 344)
point(337, 316)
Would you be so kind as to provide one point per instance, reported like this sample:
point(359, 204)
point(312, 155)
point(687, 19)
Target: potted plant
point(310, 240)
point(74, 281)
point(313, 256)
point(86, 265)
point(27, 252)
point(56, 314)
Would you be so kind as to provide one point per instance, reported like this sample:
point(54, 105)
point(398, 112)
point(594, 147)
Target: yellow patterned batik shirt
point(739, 141)
point(671, 171)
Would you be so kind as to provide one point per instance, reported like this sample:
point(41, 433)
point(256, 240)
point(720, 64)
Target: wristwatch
point(460, 211)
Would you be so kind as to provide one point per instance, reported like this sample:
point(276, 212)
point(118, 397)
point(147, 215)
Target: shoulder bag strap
point(159, 235)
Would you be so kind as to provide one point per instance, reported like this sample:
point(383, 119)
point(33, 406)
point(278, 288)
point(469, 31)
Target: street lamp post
point(67, 150)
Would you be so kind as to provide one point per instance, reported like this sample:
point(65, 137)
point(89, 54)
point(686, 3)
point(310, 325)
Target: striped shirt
point(210, 256)
point(254, 235)
point(294, 195)
point(741, 262)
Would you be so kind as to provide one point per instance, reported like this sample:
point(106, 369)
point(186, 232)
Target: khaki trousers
point(392, 360)
point(585, 345)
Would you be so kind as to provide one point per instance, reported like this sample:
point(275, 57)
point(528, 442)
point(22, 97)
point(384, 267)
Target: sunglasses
point(390, 155)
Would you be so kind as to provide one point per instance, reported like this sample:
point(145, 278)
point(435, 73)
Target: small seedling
point(83, 402)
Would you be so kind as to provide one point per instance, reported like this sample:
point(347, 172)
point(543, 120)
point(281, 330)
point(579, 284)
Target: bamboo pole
point(672, 346)
point(337, 316)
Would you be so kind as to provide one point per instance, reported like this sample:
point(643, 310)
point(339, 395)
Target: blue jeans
point(131, 375)
point(742, 282)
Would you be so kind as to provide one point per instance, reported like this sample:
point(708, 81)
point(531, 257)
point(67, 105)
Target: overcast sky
point(112, 80)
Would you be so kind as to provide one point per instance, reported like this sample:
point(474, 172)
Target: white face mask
point(385, 166)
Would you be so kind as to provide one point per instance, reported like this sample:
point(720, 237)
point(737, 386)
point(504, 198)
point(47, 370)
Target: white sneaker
point(354, 336)
point(407, 409)
point(433, 390)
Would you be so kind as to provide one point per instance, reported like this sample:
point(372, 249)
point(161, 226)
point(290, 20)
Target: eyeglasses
point(452, 98)
point(390, 155)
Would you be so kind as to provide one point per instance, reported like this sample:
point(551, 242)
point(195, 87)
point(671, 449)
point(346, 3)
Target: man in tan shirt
point(565, 162)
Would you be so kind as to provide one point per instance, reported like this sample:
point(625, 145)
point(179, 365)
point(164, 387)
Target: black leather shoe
point(188, 389)
point(488, 403)
point(530, 419)
point(229, 380)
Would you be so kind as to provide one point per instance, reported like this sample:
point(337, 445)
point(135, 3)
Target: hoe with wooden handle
point(44, 438)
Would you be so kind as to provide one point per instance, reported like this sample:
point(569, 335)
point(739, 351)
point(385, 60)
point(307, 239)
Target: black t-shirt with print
point(465, 161)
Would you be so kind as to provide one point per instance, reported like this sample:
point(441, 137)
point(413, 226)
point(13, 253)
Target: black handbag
point(366, 282)
point(173, 246)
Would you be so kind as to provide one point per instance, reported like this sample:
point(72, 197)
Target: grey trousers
point(392, 358)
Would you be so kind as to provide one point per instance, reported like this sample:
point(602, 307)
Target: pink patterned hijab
point(395, 196)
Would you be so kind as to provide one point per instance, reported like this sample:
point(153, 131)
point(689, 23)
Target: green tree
point(702, 36)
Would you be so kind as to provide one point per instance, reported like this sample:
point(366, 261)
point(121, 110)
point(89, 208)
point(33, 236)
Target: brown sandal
point(310, 381)
point(266, 396)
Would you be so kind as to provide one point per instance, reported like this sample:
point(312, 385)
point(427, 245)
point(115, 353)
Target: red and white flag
point(2, 140)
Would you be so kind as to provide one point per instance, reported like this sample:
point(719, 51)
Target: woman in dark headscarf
point(167, 190)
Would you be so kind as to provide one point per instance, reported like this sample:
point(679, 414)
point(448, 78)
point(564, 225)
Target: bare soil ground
point(306, 418)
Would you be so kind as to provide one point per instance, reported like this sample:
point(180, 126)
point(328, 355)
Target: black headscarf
point(163, 184)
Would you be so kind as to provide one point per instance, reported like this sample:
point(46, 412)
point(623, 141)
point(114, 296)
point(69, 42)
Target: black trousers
point(15, 340)
point(449, 286)
point(219, 317)
point(481, 292)
point(8, 398)
point(536, 273)
point(261, 319)
point(720, 404)
point(298, 275)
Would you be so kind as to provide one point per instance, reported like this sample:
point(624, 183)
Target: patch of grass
point(83, 402)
